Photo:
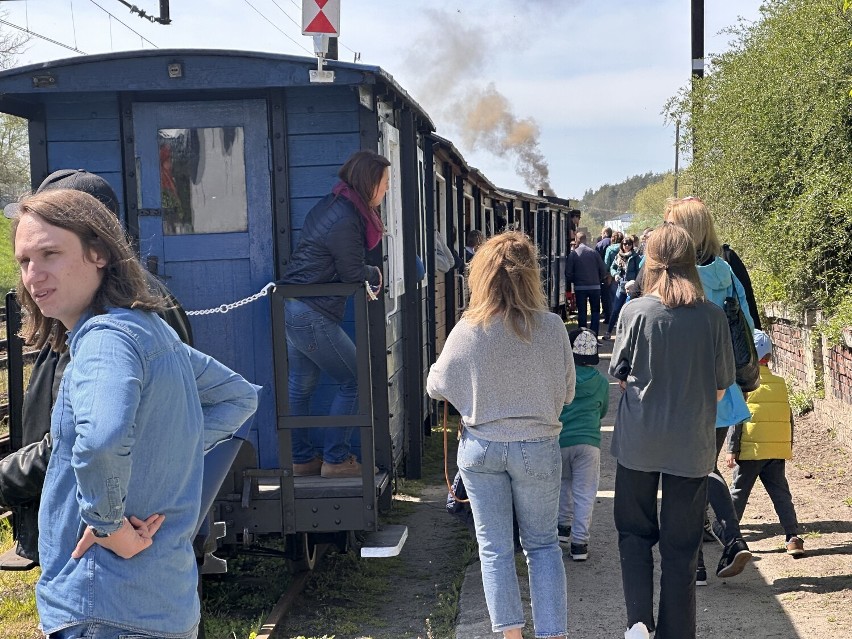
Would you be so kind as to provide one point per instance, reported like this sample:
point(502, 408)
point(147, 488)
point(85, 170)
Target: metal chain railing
point(224, 308)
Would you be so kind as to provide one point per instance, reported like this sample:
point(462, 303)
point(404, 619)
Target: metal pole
point(697, 38)
point(677, 154)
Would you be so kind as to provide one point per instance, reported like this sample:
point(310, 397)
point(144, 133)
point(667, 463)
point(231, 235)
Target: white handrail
point(392, 277)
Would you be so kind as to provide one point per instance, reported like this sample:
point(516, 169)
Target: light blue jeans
point(500, 476)
point(315, 345)
point(97, 630)
point(581, 473)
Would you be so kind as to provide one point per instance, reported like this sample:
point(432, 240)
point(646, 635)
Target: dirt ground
point(777, 596)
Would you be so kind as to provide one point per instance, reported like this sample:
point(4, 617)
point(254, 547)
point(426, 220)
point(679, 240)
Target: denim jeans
point(727, 524)
point(315, 345)
point(772, 475)
point(581, 473)
point(678, 531)
point(97, 630)
point(524, 475)
point(618, 302)
point(593, 299)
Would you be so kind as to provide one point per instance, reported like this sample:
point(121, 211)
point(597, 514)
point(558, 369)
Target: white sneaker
point(638, 631)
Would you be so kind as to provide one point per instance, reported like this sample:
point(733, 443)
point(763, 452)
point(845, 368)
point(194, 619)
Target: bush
point(772, 151)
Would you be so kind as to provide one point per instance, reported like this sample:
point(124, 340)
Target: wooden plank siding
point(86, 135)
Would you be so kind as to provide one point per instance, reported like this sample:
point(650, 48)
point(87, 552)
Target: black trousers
point(584, 299)
point(678, 531)
point(772, 475)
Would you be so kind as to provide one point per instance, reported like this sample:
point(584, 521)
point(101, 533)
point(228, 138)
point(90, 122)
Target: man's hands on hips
point(134, 536)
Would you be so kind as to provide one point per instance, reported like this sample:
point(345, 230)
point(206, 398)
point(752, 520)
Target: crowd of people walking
point(535, 455)
point(529, 455)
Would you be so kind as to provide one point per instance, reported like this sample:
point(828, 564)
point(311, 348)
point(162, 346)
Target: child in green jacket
point(580, 441)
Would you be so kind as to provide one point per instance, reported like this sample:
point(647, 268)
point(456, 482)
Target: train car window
point(203, 180)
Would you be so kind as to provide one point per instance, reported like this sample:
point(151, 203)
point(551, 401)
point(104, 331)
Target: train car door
point(205, 220)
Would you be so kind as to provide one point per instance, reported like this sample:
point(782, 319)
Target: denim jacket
point(136, 411)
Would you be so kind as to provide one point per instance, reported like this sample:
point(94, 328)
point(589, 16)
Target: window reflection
point(203, 180)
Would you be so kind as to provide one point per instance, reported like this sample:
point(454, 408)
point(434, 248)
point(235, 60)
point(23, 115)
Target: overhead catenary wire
point(73, 23)
point(277, 28)
point(43, 37)
point(126, 26)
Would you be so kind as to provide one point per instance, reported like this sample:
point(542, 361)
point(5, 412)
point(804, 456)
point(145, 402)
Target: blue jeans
point(500, 476)
point(97, 630)
point(593, 299)
point(617, 303)
point(315, 345)
point(581, 473)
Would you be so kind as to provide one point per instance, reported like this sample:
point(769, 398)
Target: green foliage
point(832, 327)
point(802, 399)
point(8, 267)
point(772, 150)
point(648, 204)
point(14, 157)
point(612, 200)
point(17, 595)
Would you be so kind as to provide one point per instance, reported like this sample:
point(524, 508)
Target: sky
point(574, 88)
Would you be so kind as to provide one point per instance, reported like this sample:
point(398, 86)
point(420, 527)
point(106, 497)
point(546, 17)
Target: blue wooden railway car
point(217, 156)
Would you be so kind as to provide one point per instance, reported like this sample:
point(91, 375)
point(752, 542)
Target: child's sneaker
point(795, 546)
point(637, 631)
point(579, 552)
point(564, 533)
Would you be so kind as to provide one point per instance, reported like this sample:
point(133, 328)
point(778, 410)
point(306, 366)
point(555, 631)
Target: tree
point(14, 139)
point(772, 149)
point(649, 203)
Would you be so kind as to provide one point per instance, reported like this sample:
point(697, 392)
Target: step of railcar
point(387, 542)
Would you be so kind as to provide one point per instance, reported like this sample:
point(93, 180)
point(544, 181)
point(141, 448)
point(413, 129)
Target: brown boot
point(308, 468)
point(349, 467)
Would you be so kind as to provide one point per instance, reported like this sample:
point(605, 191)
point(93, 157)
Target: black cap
point(78, 180)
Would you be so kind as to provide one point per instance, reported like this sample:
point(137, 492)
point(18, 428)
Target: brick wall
point(838, 374)
point(789, 342)
point(801, 354)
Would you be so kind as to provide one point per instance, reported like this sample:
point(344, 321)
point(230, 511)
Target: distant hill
point(612, 200)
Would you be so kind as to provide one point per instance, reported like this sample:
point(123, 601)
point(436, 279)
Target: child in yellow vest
point(759, 447)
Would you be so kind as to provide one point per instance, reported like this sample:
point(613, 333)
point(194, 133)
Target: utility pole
point(697, 39)
point(697, 62)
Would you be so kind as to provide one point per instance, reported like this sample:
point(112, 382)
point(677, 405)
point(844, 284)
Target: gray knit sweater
point(506, 389)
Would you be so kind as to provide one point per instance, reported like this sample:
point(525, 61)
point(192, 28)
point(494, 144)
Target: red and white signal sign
point(321, 17)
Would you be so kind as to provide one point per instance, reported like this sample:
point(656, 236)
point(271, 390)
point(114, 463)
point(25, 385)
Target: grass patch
point(234, 605)
point(442, 621)
point(8, 267)
point(17, 595)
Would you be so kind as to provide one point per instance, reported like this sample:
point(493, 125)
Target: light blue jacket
point(135, 413)
point(720, 282)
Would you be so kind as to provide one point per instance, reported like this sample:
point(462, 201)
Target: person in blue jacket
point(135, 412)
point(336, 235)
point(719, 282)
point(580, 445)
